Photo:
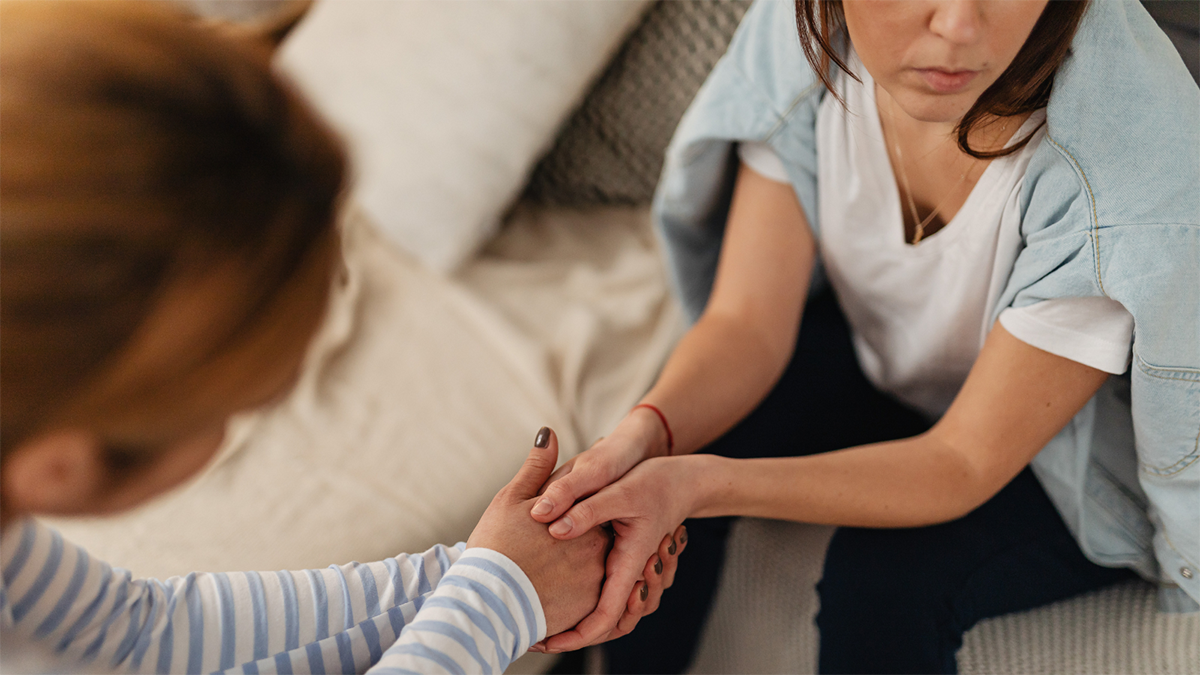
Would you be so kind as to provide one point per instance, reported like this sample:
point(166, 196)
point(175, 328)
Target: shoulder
point(759, 81)
point(1123, 126)
point(766, 53)
point(1109, 205)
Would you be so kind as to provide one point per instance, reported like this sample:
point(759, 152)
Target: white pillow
point(447, 105)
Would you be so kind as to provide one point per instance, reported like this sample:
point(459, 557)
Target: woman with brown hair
point(168, 220)
point(994, 386)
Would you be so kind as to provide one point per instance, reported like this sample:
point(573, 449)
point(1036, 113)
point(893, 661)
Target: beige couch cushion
point(420, 398)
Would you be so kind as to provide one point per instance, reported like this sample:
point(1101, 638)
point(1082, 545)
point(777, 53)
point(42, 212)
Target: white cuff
point(522, 597)
point(762, 158)
point(1096, 332)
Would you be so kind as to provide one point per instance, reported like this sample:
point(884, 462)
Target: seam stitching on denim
point(785, 117)
point(1177, 551)
point(1186, 374)
point(1168, 471)
point(1095, 233)
point(1183, 375)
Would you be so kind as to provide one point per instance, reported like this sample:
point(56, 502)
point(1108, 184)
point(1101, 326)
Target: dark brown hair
point(1022, 88)
point(146, 156)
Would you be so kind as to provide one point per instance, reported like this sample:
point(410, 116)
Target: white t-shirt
point(919, 314)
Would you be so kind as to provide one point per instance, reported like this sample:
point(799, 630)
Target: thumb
point(537, 467)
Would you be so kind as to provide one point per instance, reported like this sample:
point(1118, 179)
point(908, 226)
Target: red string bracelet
point(661, 416)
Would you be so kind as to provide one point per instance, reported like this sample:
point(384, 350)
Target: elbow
point(970, 476)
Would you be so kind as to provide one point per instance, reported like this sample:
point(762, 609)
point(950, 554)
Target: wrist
point(509, 586)
point(651, 430)
point(710, 482)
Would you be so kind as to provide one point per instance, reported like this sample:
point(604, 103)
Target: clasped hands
point(594, 582)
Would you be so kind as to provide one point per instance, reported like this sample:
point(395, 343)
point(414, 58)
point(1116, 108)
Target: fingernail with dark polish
point(658, 566)
point(645, 593)
point(543, 437)
point(672, 548)
point(683, 536)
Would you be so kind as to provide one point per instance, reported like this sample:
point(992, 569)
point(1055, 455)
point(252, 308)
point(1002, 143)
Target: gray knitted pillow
point(610, 151)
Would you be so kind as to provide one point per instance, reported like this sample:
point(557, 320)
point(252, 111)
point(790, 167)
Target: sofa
point(432, 371)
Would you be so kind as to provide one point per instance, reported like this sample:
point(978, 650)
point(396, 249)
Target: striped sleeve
point(339, 619)
point(483, 615)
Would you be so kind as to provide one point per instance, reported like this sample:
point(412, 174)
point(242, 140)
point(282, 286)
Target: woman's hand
point(638, 436)
point(566, 574)
point(657, 576)
point(645, 508)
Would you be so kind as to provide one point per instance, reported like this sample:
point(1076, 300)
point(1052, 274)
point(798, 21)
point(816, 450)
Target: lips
point(947, 81)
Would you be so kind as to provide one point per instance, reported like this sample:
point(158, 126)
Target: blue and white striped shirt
point(452, 610)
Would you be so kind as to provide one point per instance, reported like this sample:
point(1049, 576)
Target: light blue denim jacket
point(1111, 207)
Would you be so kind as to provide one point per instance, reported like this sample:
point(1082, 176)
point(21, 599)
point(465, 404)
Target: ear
point(59, 472)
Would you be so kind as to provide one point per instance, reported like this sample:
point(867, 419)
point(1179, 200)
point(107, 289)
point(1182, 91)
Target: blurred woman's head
point(166, 246)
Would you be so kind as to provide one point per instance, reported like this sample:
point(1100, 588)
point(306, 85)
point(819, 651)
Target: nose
point(957, 21)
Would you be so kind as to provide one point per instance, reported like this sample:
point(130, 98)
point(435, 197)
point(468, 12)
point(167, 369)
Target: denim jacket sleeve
point(761, 90)
point(1112, 208)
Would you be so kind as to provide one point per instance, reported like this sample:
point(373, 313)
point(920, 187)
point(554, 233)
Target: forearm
point(206, 622)
point(483, 615)
point(740, 346)
point(311, 616)
point(1014, 401)
point(906, 483)
point(719, 372)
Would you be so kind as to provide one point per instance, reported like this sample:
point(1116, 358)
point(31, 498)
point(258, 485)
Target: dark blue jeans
point(892, 601)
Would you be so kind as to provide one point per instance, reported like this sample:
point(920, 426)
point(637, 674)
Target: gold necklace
point(919, 230)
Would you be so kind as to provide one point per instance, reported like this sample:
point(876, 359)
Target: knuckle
point(628, 625)
point(539, 463)
point(622, 562)
point(554, 490)
point(583, 512)
point(562, 490)
point(601, 617)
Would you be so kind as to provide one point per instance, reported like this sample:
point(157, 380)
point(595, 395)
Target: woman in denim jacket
point(1008, 413)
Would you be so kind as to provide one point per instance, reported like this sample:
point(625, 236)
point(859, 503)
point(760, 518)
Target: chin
point(936, 108)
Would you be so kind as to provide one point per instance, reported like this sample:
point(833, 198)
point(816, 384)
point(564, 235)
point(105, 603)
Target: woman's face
point(935, 57)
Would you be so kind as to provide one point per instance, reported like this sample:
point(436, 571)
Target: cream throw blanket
point(420, 398)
